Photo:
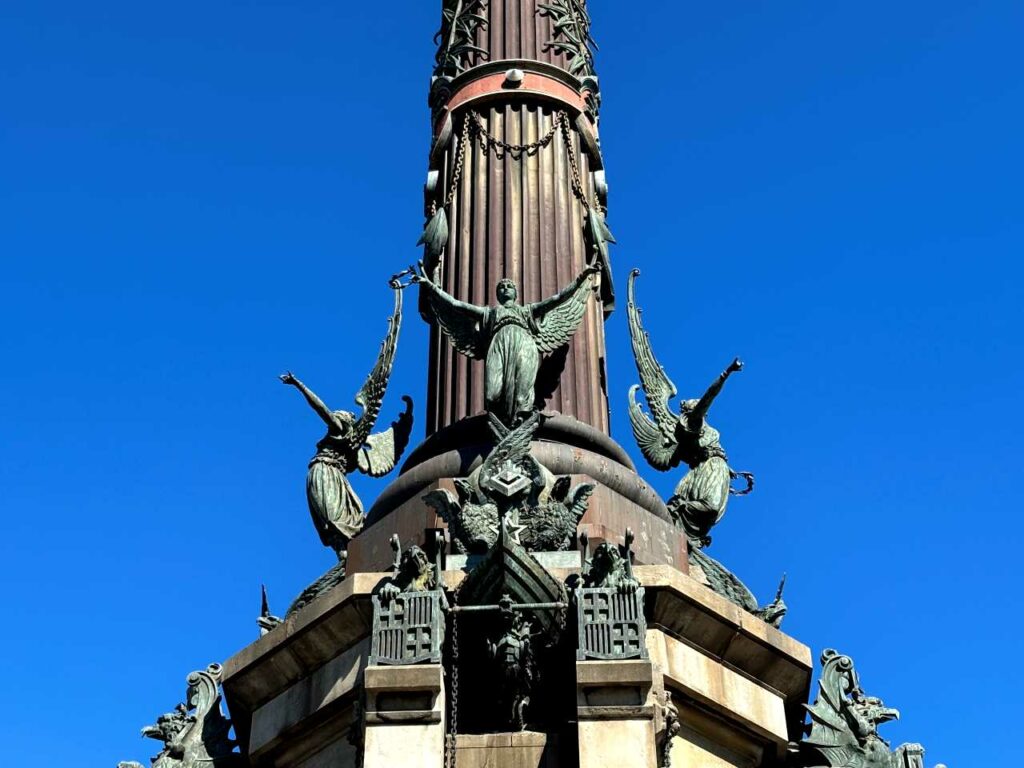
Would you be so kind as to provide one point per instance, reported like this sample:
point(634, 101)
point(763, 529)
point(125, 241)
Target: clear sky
point(197, 196)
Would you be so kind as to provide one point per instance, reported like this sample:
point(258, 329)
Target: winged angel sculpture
point(510, 337)
point(669, 440)
point(349, 445)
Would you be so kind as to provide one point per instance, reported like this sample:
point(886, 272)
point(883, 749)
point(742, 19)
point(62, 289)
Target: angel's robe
point(336, 509)
point(513, 360)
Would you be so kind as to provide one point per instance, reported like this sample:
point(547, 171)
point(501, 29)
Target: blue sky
point(198, 196)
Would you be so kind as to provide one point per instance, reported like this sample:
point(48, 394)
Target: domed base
point(564, 446)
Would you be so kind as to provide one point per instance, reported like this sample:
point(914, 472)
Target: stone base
point(405, 717)
point(526, 749)
point(615, 713)
point(565, 447)
point(729, 689)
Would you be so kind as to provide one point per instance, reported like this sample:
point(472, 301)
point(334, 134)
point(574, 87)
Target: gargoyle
point(195, 734)
point(843, 731)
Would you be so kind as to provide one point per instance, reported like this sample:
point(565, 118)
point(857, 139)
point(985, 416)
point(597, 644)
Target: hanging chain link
point(501, 148)
point(473, 123)
point(453, 707)
point(460, 161)
point(562, 119)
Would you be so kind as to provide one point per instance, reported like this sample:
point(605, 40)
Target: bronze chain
point(460, 160)
point(474, 123)
point(501, 148)
point(453, 706)
point(574, 168)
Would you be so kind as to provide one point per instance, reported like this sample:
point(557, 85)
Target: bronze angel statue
point(510, 337)
point(669, 440)
point(349, 445)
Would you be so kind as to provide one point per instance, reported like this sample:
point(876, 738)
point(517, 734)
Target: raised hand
point(735, 365)
point(288, 378)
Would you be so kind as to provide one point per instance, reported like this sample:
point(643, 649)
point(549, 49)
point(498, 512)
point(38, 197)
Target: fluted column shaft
point(516, 215)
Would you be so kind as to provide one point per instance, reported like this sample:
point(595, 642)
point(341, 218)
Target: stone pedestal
point(405, 717)
point(508, 750)
point(728, 688)
point(615, 714)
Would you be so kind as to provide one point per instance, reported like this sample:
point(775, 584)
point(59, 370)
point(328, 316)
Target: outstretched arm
point(709, 397)
point(315, 402)
point(439, 294)
point(546, 305)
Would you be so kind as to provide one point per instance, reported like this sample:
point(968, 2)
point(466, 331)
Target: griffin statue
point(195, 734)
point(843, 732)
point(510, 337)
point(349, 445)
point(669, 440)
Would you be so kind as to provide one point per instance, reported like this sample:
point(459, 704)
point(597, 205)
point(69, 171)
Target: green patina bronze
point(671, 439)
point(196, 733)
point(460, 20)
point(509, 337)
point(843, 732)
point(541, 511)
point(571, 34)
point(349, 446)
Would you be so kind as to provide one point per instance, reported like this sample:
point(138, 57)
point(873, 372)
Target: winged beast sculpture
point(669, 439)
point(843, 731)
point(196, 734)
point(509, 337)
point(349, 445)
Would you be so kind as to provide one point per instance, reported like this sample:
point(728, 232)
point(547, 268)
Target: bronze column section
point(513, 68)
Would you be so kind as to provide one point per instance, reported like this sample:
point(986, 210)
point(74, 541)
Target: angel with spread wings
point(510, 337)
point(669, 440)
point(348, 445)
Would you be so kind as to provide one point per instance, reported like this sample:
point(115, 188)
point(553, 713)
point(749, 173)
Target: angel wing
point(371, 395)
point(383, 451)
point(462, 323)
point(658, 387)
point(658, 448)
point(558, 318)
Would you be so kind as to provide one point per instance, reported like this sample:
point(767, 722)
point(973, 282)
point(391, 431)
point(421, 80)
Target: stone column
point(616, 713)
point(517, 215)
point(405, 717)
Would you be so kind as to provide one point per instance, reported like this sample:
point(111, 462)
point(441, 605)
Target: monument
point(517, 595)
